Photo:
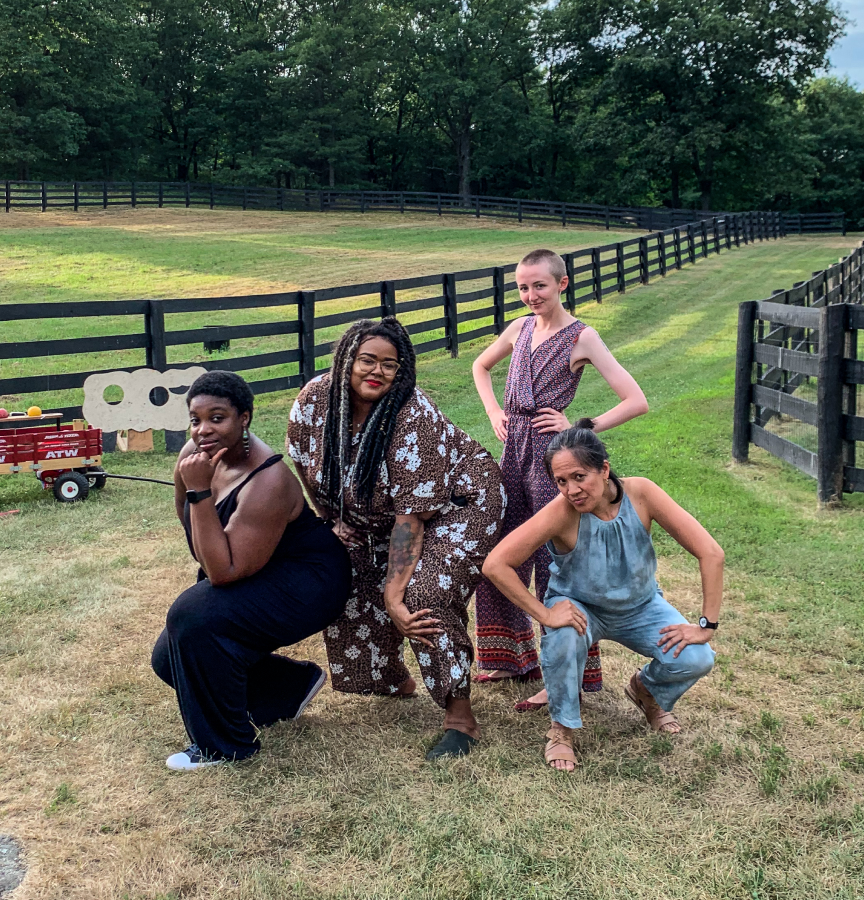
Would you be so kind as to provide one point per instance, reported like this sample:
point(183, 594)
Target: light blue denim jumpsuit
point(610, 576)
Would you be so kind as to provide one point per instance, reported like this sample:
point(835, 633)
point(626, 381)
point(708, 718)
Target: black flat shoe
point(454, 743)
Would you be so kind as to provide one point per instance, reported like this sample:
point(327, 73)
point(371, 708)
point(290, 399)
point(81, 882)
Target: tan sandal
point(659, 720)
point(559, 748)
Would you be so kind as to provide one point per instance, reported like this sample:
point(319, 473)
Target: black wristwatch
point(704, 623)
point(197, 496)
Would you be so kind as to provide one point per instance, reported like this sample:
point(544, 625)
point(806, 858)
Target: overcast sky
point(847, 57)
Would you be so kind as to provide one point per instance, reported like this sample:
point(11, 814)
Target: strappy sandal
point(659, 720)
point(559, 748)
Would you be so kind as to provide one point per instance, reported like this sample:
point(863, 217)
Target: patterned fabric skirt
point(364, 649)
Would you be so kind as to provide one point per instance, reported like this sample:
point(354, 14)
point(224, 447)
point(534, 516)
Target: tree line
point(715, 104)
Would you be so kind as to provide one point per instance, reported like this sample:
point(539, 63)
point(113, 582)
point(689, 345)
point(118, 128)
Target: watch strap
point(704, 623)
point(197, 496)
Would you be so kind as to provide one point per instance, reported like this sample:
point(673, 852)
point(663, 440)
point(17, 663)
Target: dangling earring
point(246, 440)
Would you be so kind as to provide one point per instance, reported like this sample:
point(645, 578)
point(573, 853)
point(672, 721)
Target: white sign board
point(136, 410)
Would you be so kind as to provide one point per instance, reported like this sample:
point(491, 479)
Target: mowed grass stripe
point(759, 798)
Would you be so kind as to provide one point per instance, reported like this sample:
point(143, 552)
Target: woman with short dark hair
point(602, 586)
point(417, 502)
point(271, 575)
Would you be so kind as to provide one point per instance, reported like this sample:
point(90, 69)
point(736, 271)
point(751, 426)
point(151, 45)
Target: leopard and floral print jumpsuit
point(431, 466)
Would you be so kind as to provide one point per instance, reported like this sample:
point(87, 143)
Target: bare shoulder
point(589, 339)
point(271, 487)
point(635, 485)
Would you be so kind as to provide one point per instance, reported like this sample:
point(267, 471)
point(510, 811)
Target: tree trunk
point(465, 165)
point(676, 187)
point(705, 185)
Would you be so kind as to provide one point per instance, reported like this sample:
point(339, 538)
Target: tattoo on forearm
point(401, 552)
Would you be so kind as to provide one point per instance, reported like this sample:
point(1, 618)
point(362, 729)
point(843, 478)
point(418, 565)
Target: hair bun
point(585, 423)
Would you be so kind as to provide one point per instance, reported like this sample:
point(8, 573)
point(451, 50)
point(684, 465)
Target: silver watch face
point(703, 622)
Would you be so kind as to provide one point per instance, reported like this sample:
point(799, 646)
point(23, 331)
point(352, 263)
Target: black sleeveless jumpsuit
point(217, 647)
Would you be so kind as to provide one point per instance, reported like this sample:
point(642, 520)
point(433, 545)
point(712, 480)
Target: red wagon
point(67, 459)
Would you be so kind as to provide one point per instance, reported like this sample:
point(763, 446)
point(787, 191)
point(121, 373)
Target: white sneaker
point(314, 688)
point(191, 758)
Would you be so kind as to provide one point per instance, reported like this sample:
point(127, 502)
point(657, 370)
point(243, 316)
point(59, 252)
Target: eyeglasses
point(367, 363)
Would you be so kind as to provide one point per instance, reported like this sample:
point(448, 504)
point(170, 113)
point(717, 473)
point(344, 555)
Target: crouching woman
point(603, 586)
point(272, 573)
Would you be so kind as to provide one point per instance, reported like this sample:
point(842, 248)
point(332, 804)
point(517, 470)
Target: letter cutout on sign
point(136, 410)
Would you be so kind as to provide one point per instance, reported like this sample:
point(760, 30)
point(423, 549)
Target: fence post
point(439, 204)
point(571, 282)
point(160, 194)
point(477, 206)
point(691, 243)
point(619, 268)
point(213, 195)
point(44, 197)
point(595, 274)
point(677, 245)
point(703, 231)
point(498, 298)
point(320, 201)
point(829, 462)
point(134, 195)
point(743, 378)
point(716, 227)
point(388, 299)
point(519, 209)
point(451, 316)
point(104, 195)
point(401, 201)
point(306, 317)
point(245, 197)
point(9, 196)
point(563, 215)
point(661, 251)
point(607, 218)
point(643, 260)
point(850, 395)
point(155, 328)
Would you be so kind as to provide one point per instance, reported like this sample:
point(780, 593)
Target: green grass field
point(760, 797)
point(122, 254)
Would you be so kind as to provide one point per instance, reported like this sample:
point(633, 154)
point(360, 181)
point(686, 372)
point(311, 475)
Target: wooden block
point(140, 441)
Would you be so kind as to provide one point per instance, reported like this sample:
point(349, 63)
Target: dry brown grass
point(341, 804)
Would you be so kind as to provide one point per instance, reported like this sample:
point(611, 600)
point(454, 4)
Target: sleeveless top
point(542, 378)
point(612, 566)
point(226, 507)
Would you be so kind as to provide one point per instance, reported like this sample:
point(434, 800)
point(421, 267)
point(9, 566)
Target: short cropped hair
point(226, 385)
point(553, 261)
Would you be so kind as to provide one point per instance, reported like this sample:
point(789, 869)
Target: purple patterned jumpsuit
point(505, 634)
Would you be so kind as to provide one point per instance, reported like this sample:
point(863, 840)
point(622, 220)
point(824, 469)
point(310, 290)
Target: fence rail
point(448, 315)
point(797, 373)
point(46, 195)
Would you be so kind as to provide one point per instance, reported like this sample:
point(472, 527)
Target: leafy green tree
point(697, 78)
point(61, 85)
point(468, 52)
point(832, 124)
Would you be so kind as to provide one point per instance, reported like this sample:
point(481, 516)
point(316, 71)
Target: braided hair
point(377, 431)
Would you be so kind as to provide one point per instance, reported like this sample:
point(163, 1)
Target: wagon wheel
point(96, 478)
point(71, 486)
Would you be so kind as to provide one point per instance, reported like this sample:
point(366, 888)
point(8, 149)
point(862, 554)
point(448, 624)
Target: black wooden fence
point(76, 194)
point(315, 316)
point(798, 367)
